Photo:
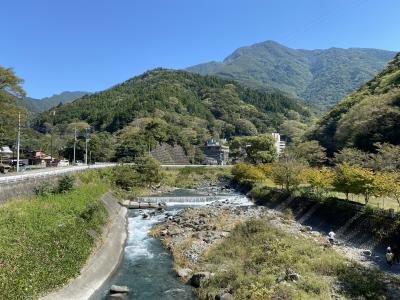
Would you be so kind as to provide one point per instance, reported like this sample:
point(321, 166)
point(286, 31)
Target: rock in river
point(119, 289)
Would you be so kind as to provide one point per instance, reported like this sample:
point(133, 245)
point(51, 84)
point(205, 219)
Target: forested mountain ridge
point(367, 116)
point(321, 77)
point(40, 105)
point(176, 107)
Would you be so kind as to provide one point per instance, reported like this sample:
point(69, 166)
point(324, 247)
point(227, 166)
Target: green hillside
point(369, 115)
point(40, 105)
point(321, 77)
point(175, 107)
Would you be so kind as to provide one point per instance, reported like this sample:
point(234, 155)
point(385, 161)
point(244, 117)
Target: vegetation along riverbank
point(230, 252)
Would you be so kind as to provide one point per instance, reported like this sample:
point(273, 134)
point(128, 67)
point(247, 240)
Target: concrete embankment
point(103, 262)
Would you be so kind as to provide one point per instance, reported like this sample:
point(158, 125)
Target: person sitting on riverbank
point(389, 256)
point(331, 237)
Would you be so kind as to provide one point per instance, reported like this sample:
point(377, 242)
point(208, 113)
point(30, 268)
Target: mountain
point(40, 105)
point(177, 107)
point(321, 77)
point(369, 115)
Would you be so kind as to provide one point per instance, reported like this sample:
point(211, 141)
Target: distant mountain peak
point(320, 76)
point(40, 105)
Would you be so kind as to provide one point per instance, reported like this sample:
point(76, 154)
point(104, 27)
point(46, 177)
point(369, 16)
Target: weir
point(160, 201)
point(182, 199)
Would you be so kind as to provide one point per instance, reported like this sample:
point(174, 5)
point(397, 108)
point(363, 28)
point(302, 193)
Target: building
point(38, 158)
point(215, 153)
point(5, 153)
point(279, 144)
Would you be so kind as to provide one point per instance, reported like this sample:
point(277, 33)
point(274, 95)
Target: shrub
point(245, 173)
point(44, 189)
point(65, 184)
point(144, 172)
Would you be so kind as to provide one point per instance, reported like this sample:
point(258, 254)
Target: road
point(28, 175)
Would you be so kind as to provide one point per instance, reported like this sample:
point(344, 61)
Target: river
point(147, 268)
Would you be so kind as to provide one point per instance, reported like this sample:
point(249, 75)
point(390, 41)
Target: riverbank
point(46, 240)
point(253, 252)
point(104, 260)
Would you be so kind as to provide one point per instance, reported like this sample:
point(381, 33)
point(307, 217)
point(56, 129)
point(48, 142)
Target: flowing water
point(147, 268)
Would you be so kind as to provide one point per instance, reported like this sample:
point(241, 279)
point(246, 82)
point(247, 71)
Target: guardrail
point(45, 173)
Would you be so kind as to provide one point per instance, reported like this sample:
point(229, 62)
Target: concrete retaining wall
point(104, 261)
point(23, 188)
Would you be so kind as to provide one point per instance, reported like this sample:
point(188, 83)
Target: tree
point(353, 157)
point(344, 180)
point(148, 169)
point(320, 180)
point(355, 180)
point(10, 83)
point(145, 171)
point(9, 88)
point(101, 147)
point(254, 149)
point(312, 152)
point(387, 157)
point(247, 173)
point(293, 129)
point(288, 172)
point(365, 183)
point(245, 127)
point(388, 185)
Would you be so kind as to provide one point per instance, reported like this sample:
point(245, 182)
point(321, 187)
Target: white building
point(279, 144)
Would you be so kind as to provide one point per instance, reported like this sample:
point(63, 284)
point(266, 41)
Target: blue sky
point(91, 45)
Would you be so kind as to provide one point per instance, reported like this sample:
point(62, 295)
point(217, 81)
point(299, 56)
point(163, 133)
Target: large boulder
point(225, 296)
point(198, 278)
point(119, 289)
point(184, 272)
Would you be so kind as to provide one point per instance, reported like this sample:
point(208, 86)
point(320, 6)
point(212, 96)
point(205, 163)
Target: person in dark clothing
point(396, 254)
point(389, 256)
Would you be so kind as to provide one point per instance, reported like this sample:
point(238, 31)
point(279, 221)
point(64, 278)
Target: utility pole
point(18, 139)
point(74, 161)
point(51, 138)
point(86, 145)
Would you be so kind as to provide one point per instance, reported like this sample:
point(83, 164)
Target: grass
point(252, 263)
point(46, 240)
point(379, 202)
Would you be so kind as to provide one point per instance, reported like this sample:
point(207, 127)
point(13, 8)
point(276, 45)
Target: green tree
point(345, 179)
point(387, 157)
point(320, 179)
point(102, 147)
point(355, 180)
point(353, 157)
point(10, 87)
point(10, 83)
point(312, 152)
point(288, 172)
point(254, 149)
point(148, 169)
